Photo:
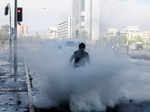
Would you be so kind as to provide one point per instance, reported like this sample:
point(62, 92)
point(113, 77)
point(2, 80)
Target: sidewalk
point(12, 92)
point(140, 55)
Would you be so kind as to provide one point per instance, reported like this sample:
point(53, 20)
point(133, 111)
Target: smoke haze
point(106, 80)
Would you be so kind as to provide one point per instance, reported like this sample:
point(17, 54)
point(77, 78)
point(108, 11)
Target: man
point(80, 57)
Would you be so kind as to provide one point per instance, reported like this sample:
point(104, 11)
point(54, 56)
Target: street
point(120, 83)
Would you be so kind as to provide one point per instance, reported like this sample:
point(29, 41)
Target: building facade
point(111, 32)
point(130, 32)
point(146, 36)
point(23, 30)
point(4, 32)
point(64, 29)
point(86, 19)
point(52, 33)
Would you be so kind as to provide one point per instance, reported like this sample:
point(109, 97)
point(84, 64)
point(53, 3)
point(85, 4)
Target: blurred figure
point(80, 57)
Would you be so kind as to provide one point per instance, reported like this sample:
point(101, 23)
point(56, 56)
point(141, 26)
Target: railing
point(29, 88)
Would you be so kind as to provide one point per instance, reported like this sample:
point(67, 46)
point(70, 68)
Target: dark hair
point(82, 45)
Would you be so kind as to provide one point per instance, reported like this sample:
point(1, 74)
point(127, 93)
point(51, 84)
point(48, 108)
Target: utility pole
point(10, 40)
point(8, 10)
point(15, 40)
point(91, 18)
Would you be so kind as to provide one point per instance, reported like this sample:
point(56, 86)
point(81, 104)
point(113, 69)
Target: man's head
point(82, 46)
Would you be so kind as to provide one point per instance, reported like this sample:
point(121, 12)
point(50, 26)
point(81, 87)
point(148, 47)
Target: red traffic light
point(19, 11)
point(19, 14)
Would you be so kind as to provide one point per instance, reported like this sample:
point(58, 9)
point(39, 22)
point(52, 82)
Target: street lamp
point(8, 10)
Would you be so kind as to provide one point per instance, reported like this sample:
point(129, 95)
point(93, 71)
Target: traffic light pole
point(15, 40)
point(10, 40)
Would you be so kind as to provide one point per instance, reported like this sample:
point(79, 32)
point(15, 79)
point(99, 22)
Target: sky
point(143, 1)
point(41, 14)
point(119, 13)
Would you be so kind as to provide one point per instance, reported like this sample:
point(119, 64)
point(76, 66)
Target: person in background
point(80, 57)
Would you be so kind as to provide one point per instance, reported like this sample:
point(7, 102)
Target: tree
point(138, 39)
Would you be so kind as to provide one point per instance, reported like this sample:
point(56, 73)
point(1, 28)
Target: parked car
point(139, 46)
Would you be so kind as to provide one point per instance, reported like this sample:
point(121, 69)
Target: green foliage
point(147, 44)
point(138, 39)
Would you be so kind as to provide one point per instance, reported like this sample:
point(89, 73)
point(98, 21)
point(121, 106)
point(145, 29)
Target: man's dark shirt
point(80, 58)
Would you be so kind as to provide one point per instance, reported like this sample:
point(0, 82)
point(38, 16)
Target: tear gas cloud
point(107, 79)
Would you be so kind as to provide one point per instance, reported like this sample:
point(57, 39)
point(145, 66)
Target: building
point(86, 19)
point(146, 35)
point(79, 18)
point(64, 29)
point(4, 32)
point(52, 33)
point(23, 30)
point(111, 32)
point(5, 28)
point(130, 32)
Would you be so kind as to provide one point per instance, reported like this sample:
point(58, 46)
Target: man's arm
point(71, 59)
point(88, 58)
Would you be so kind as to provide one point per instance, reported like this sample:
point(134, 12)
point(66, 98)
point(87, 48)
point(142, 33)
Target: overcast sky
point(118, 13)
point(40, 14)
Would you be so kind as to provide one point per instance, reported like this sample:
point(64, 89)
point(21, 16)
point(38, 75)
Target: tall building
point(78, 17)
point(64, 29)
point(86, 19)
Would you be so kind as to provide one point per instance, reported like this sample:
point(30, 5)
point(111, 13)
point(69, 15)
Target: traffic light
point(19, 14)
point(6, 10)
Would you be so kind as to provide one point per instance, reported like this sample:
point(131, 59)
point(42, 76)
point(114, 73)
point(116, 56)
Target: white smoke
point(107, 79)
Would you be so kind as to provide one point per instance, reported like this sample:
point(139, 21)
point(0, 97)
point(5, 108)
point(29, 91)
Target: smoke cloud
point(108, 78)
